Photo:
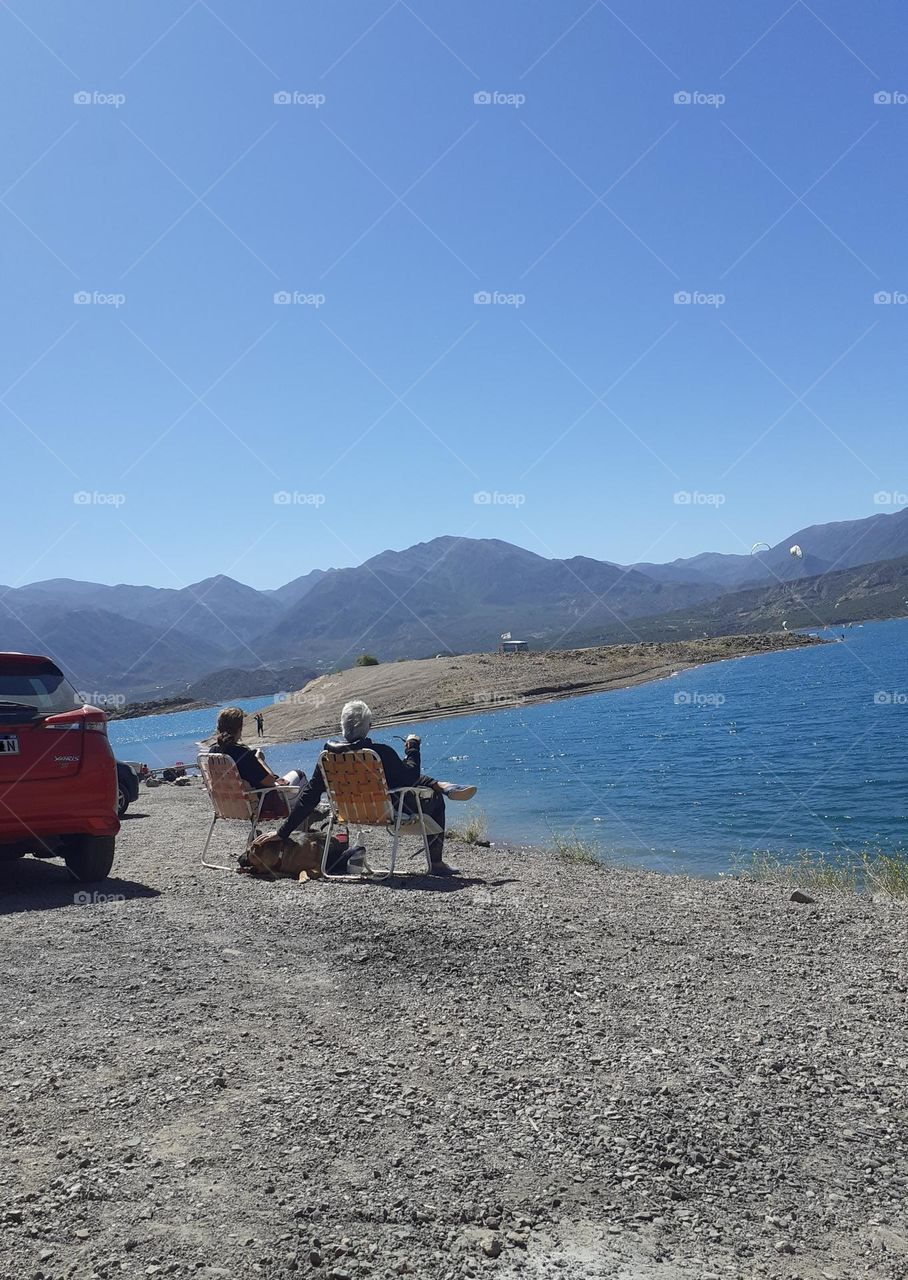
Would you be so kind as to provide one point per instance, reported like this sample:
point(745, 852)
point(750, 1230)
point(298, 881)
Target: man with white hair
point(356, 721)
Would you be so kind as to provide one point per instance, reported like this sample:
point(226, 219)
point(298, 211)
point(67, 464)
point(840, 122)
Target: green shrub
point(886, 873)
point(807, 871)
point(473, 830)
point(366, 660)
point(572, 848)
point(866, 872)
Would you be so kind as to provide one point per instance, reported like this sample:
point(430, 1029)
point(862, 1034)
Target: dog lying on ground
point(285, 859)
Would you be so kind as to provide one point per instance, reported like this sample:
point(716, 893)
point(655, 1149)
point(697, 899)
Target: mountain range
point(878, 590)
point(447, 595)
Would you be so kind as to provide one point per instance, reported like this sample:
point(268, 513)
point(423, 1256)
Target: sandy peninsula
point(428, 688)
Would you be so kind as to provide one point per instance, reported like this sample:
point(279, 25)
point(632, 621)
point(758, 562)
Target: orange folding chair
point(358, 796)
point(234, 800)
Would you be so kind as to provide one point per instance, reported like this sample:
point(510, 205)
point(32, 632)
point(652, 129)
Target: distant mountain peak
point(449, 593)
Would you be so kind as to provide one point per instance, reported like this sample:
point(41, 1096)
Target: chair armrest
point(424, 793)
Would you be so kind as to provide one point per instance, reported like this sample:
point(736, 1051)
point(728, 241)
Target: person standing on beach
point(260, 724)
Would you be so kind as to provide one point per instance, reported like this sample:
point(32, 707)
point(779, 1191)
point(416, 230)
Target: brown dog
point(286, 859)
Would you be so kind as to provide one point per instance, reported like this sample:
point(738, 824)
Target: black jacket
point(398, 773)
point(248, 765)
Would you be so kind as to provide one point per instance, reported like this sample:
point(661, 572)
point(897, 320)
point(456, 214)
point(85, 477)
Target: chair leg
point(396, 841)
point(380, 873)
point(257, 816)
point(255, 819)
point(328, 833)
point(214, 866)
point(210, 834)
point(325, 873)
point(425, 838)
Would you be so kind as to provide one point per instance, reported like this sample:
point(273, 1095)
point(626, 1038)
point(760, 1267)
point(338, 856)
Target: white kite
point(796, 552)
point(758, 547)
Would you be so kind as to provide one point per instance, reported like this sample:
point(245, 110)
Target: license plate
point(9, 744)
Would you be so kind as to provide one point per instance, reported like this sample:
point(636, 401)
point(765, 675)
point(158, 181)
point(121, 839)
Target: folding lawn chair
point(234, 800)
point(358, 796)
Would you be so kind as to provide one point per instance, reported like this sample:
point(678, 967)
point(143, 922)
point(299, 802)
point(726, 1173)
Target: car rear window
point(42, 688)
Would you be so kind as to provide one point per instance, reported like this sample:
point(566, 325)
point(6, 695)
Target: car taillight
point(89, 718)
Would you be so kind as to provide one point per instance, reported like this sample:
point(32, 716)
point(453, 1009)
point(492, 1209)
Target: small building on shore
point(513, 646)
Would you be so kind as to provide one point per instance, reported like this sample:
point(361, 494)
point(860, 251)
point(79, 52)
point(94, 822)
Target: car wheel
point(90, 857)
point(122, 801)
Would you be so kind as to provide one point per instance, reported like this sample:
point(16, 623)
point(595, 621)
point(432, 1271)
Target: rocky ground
point(426, 688)
point(538, 1070)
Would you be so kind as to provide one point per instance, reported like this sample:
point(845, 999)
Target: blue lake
point(163, 740)
point(797, 750)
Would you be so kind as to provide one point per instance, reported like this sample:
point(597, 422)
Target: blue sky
point(148, 431)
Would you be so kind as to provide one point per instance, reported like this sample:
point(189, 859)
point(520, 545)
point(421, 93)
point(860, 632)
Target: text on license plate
point(9, 744)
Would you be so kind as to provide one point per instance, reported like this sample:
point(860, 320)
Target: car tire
point(90, 857)
point(122, 800)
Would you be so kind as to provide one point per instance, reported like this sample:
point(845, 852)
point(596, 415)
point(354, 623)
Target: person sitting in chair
point(251, 766)
point(356, 721)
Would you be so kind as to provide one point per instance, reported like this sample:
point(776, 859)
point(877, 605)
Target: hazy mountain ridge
point(845, 595)
point(292, 592)
point(103, 652)
point(447, 595)
point(460, 594)
point(238, 682)
point(840, 544)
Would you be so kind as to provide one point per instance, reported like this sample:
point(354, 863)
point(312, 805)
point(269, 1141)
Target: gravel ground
point(539, 1070)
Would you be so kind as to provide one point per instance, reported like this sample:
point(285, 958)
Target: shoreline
point(161, 707)
point(424, 689)
point(139, 710)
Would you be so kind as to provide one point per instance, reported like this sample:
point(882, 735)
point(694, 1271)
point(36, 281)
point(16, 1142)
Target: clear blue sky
point(398, 198)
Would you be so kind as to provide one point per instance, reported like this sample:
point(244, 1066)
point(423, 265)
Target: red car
point(58, 777)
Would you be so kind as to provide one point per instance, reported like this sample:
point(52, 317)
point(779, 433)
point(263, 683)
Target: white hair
point(356, 721)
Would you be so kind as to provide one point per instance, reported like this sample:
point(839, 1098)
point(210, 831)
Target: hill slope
point(455, 594)
point(219, 610)
point(102, 652)
point(848, 595)
point(841, 544)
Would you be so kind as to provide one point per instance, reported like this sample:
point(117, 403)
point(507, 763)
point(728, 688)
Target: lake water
point(788, 751)
point(162, 740)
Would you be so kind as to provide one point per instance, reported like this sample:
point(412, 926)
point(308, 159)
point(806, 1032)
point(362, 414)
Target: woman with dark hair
point(250, 763)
